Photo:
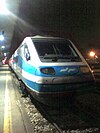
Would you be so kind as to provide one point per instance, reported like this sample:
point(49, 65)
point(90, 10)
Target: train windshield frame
point(56, 51)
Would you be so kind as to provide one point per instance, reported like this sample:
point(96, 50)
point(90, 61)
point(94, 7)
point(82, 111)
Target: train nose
point(58, 80)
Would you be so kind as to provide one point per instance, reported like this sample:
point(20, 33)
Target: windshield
point(56, 51)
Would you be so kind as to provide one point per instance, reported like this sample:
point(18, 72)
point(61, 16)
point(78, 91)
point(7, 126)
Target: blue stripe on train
point(49, 88)
point(25, 66)
point(60, 70)
point(46, 87)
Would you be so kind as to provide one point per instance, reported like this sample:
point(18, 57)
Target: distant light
point(2, 47)
point(1, 37)
point(92, 54)
point(3, 8)
point(96, 57)
point(5, 54)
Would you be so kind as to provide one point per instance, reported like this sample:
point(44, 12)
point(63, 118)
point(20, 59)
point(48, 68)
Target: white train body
point(50, 66)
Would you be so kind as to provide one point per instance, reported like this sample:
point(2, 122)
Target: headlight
point(84, 69)
point(48, 70)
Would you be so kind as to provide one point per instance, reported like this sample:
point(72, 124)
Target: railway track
point(82, 116)
point(69, 118)
point(44, 110)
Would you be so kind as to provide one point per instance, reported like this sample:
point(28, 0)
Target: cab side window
point(26, 52)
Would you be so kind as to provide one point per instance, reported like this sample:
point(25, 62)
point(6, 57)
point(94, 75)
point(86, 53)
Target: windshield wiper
point(69, 58)
point(54, 57)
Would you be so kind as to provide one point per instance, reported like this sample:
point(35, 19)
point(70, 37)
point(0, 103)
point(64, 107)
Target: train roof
point(45, 37)
point(38, 37)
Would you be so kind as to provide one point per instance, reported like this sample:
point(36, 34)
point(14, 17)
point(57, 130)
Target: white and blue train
point(50, 67)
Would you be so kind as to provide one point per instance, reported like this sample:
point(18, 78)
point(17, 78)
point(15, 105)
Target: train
point(51, 67)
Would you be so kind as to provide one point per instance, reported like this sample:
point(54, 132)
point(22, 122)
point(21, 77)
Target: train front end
point(62, 69)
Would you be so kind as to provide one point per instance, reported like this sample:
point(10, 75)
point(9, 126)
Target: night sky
point(78, 18)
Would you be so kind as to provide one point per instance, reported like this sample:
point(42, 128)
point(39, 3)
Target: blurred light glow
point(3, 8)
point(92, 54)
point(96, 57)
point(5, 54)
point(2, 47)
point(1, 37)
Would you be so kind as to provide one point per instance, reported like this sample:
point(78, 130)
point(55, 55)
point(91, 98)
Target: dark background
point(75, 19)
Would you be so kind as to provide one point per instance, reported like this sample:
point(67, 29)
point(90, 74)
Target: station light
point(5, 54)
point(2, 47)
point(92, 54)
point(3, 8)
point(96, 57)
point(1, 37)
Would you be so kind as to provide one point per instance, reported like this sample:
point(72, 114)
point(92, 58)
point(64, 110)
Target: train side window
point(26, 53)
